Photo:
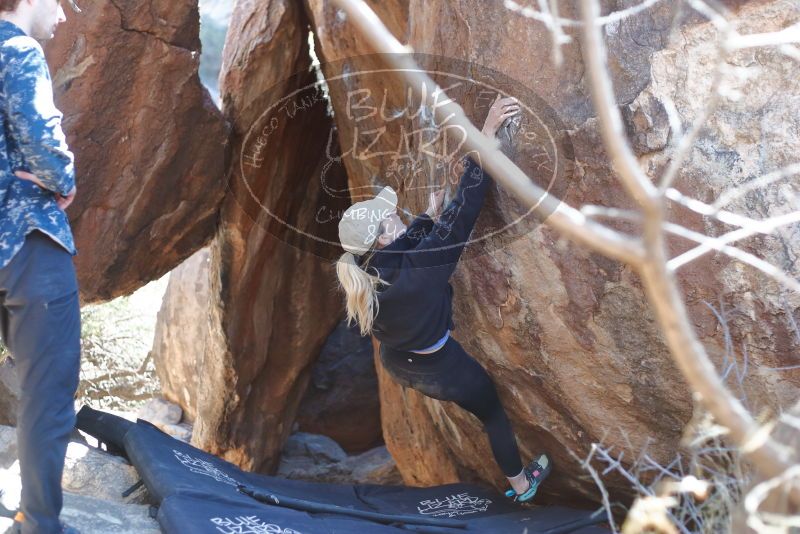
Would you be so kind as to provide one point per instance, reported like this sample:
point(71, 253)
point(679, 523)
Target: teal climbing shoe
point(535, 472)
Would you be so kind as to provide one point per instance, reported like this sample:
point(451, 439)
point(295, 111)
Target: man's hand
point(502, 109)
point(63, 202)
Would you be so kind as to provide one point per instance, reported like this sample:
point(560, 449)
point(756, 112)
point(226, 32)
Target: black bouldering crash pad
point(199, 493)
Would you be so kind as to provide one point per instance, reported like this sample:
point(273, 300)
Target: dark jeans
point(451, 374)
point(40, 325)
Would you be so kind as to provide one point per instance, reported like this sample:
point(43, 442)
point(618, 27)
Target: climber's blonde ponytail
point(361, 292)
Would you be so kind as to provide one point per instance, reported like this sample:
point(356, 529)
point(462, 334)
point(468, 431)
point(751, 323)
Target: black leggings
point(450, 374)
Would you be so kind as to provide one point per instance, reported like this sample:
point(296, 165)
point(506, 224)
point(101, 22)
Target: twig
point(550, 8)
point(764, 227)
point(587, 465)
point(707, 11)
point(745, 257)
point(790, 51)
point(591, 210)
point(786, 36)
point(762, 181)
point(771, 522)
point(702, 208)
point(546, 18)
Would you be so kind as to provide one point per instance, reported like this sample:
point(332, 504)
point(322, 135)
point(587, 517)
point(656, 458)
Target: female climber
point(396, 284)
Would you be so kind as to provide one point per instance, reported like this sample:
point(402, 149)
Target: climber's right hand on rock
point(502, 109)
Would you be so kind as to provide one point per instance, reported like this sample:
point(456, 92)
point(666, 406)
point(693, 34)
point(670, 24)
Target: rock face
point(568, 335)
point(181, 330)
point(752, 134)
point(273, 298)
point(147, 137)
point(342, 398)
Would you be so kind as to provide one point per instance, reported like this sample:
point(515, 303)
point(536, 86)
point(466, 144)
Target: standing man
point(39, 308)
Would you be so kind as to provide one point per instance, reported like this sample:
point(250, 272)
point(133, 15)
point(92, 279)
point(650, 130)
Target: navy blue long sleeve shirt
point(415, 310)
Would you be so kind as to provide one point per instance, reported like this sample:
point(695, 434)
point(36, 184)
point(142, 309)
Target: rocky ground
point(93, 482)
point(319, 458)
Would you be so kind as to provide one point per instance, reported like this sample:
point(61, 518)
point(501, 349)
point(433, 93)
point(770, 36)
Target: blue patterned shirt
point(31, 140)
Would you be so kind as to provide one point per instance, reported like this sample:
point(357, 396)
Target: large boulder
point(272, 295)
point(147, 137)
point(342, 398)
point(567, 334)
point(181, 330)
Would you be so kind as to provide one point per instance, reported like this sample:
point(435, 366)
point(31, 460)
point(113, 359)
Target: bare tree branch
point(546, 18)
point(745, 257)
point(790, 51)
point(765, 226)
point(552, 22)
point(708, 210)
point(689, 353)
point(612, 129)
point(787, 36)
point(711, 14)
point(674, 118)
point(591, 210)
point(587, 465)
